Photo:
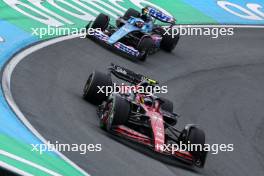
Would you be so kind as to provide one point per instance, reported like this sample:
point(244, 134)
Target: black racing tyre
point(101, 22)
point(197, 136)
point(169, 42)
point(91, 91)
point(119, 24)
point(145, 45)
point(131, 13)
point(119, 112)
point(167, 105)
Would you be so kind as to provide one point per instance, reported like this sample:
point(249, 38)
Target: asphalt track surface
point(217, 83)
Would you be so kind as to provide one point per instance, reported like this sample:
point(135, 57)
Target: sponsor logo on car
point(159, 15)
point(127, 49)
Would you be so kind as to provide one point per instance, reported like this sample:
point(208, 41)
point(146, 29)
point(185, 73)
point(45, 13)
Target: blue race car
point(136, 34)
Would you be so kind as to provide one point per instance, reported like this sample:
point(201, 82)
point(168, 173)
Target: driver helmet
point(148, 101)
point(145, 16)
point(144, 83)
point(147, 87)
point(145, 11)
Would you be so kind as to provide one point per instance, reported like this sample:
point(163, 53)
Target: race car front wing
point(131, 51)
point(133, 135)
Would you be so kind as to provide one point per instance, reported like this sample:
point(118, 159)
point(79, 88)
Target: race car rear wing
point(129, 76)
point(159, 15)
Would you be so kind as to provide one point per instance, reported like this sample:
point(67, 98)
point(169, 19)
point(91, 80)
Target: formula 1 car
point(136, 34)
point(142, 118)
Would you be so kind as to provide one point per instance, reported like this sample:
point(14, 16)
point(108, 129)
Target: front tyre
point(119, 112)
point(196, 136)
point(169, 42)
point(101, 22)
point(145, 45)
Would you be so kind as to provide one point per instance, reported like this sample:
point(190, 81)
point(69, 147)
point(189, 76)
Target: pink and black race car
point(142, 117)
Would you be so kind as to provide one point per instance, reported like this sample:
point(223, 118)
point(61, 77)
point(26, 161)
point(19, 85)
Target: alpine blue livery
point(135, 34)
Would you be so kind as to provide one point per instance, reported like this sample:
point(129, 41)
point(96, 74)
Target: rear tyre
point(168, 43)
point(119, 112)
point(144, 46)
point(101, 22)
point(91, 91)
point(131, 13)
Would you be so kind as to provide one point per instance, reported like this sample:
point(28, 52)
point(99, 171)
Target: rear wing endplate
point(159, 15)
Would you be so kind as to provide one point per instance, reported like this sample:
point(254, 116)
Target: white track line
point(6, 79)
point(14, 169)
point(22, 160)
